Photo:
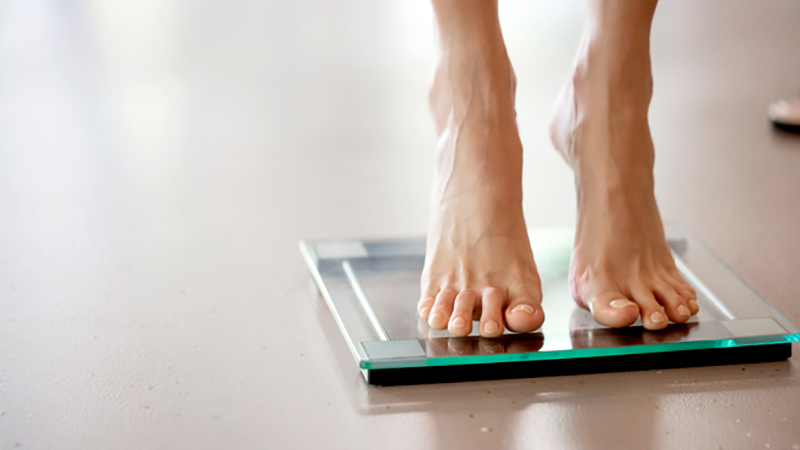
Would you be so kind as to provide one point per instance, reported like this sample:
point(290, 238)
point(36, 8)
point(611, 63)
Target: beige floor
point(159, 161)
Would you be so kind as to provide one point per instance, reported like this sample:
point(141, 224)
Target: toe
point(685, 290)
point(461, 320)
point(524, 314)
point(425, 304)
point(688, 293)
point(613, 309)
point(442, 309)
point(492, 314)
point(653, 316)
point(675, 305)
point(693, 306)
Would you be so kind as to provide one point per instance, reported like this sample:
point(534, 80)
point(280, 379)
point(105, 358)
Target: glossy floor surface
point(160, 160)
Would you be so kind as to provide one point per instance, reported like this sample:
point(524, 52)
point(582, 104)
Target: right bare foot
point(478, 262)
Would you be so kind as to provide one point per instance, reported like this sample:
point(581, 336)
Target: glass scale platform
point(372, 288)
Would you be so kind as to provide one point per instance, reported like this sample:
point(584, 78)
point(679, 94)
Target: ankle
point(613, 77)
point(600, 95)
point(600, 123)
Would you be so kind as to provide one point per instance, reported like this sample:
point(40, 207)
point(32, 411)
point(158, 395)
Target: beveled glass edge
point(578, 353)
point(696, 244)
point(311, 259)
point(681, 241)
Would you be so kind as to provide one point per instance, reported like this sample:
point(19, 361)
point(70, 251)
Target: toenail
point(523, 308)
point(434, 318)
point(491, 327)
point(656, 316)
point(621, 303)
point(425, 311)
point(459, 322)
point(683, 310)
point(693, 304)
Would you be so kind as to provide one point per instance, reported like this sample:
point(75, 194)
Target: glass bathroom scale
point(372, 288)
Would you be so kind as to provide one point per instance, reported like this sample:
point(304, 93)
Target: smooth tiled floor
point(159, 161)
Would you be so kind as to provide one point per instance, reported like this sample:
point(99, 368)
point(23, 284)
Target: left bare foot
point(621, 265)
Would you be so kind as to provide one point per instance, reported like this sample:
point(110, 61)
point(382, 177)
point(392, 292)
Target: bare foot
point(621, 265)
point(479, 262)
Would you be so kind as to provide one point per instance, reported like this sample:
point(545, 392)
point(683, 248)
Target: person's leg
point(478, 261)
point(621, 266)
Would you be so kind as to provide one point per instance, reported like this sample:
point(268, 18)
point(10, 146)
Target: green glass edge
point(581, 353)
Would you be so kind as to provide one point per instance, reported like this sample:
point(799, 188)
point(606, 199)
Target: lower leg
point(471, 57)
point(478, 262)
point(612, 70)
point(621, 267)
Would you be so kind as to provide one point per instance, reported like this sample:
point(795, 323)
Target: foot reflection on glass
point(582, 337)
point(440, 343)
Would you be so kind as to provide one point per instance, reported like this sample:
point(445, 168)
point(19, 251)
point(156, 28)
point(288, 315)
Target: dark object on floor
point(785, 115)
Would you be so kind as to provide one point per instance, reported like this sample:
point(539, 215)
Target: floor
point(160, 160)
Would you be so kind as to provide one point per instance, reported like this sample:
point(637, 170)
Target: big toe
point(613, 309)
point(524, 314)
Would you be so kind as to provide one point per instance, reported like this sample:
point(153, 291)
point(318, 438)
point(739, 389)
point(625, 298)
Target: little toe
point(693, 306)
point(461, 320)
point(675, 305)
point(689, 294)
point(686, 291)
point(653, 316)
point(613, 309)
point(524, 314)
point(442, 309)
point(492, 314)
point(425, 304)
